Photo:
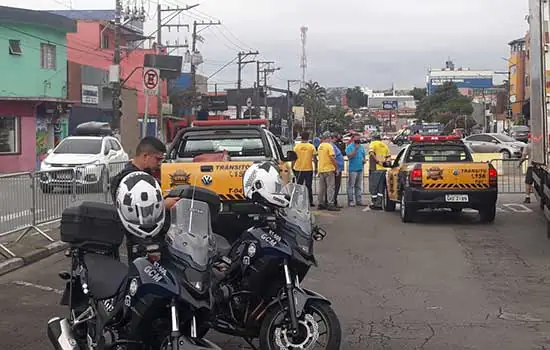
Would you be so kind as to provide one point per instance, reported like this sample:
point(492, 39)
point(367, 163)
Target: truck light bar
point(230, 122)
point(419, 138)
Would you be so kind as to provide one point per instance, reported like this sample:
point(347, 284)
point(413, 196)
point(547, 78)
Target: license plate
point(456, 198)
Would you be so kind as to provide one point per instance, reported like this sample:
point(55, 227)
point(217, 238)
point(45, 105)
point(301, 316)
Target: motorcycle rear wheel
point(273, 334)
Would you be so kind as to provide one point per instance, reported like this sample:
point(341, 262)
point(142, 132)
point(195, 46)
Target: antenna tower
point(303, 59)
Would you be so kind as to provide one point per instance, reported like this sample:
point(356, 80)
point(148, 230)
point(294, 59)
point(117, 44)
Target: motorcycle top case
point(91, 222)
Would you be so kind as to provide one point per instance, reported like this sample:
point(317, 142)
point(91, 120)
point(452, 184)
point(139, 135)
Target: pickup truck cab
point(215, 154)
point(439, 172)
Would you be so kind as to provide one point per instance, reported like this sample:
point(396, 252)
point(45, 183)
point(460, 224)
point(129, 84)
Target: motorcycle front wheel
point(319, 328)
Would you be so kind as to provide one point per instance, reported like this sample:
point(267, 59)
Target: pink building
point(92, 45)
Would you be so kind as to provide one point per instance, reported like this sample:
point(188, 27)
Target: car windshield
point(520, 128)
point(243, 147)
point(79, 146)
point(504, 138)
point(438, 153)
point(189, 237)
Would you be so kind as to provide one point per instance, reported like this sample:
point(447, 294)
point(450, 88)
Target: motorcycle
point(146, 305)
point(261, 269)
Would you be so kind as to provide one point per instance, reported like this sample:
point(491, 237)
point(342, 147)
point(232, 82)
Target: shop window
point(15, 47)
point(47, 56)
point(9, 135)
point(104, 41)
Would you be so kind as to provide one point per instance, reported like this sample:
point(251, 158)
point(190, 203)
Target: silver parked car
point(495, 143)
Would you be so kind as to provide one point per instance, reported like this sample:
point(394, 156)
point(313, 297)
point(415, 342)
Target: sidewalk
point(31, 248)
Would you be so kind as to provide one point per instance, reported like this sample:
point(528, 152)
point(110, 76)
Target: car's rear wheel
point(406, 211)
point(487, 214)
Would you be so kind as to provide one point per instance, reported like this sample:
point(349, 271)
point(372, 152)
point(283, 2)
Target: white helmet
point(263, 182)
point(140, 204)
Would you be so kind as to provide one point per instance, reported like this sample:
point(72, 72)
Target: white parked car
point(82, 161)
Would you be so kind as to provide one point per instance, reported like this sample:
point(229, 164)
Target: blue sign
point(461, 83)
point(389, 105)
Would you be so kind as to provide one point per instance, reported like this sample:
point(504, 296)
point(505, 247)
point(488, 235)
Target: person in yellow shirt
point(379, 155)
point(303, 166)
point(326, 167)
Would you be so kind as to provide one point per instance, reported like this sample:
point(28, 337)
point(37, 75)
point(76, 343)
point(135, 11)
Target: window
point(439, 153)
point(15, 47)
point(114, 145)
point(79, 146)
point(504, 138)
point(478, 138)
point(107, 147)
point(243, 147)
point(9, 135)
point(104, 42)
point(47, 56)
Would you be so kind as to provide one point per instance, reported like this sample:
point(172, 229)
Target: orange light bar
point(230, 122)
point(419, 138)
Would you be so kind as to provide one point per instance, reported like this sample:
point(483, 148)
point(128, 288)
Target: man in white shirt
point(526, 155)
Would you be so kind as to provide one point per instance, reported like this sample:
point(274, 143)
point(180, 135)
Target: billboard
point(461, 83)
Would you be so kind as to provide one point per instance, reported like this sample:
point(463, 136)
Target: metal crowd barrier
point(30, 200)
point(511, 175)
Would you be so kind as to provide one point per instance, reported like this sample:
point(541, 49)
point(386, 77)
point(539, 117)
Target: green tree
point(355, 97)
point(335, 120)
point(313, 98)
point(445, 104)
point(418, 93)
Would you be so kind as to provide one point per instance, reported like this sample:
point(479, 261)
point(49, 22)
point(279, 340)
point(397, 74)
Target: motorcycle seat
point(222, 245)
point(106, 275)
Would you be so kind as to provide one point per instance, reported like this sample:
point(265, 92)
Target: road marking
point(38, 286)
point(517, 208)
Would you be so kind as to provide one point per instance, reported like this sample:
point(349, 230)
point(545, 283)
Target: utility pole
point(267, 71)
point(194, 49)
point(175, 12)
point(241, 56)
point(258, 82)
point(115, 70)
point(289, 107)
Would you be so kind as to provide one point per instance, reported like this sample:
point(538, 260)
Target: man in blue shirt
point(356, 164)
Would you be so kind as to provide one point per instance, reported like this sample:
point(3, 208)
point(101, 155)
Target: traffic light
point(117, 107)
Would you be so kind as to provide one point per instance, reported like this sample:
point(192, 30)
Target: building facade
point(518, 75)
point(92, 45)
point(33, 89)
point(467, 81)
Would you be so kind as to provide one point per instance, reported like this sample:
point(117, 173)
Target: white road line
point(38, 286)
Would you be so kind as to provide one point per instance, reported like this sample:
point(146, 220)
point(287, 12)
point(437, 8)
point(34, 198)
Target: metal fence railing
point(511, 175)
point(30, 200)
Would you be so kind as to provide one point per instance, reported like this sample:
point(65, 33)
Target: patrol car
point(439, 172)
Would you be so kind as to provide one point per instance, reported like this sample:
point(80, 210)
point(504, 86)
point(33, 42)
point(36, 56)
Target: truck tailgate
point(455, 176)
point(224, 178)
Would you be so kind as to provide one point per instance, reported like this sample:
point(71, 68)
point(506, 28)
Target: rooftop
point(14, 15)
point(100, 15)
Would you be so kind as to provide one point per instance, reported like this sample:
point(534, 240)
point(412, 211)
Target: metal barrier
point(511, 175)
point(32, 199)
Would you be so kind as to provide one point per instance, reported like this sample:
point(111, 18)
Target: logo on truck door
point(180, 177)
point(207, 180)
point(435, 173)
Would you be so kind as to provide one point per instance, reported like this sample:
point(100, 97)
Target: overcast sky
point(349, 42)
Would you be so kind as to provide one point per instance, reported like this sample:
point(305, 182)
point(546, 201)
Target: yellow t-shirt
point(325, 153)
point(381, 151)
point(305, 152)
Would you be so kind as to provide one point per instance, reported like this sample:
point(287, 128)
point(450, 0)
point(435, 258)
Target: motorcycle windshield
point(298, 212)
point(190, 238)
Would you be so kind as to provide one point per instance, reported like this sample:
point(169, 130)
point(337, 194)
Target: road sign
point(249, 102)
point(151, 78)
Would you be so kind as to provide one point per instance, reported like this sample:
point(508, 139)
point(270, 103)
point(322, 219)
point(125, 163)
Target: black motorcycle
point(261, 269)
point(145, 306)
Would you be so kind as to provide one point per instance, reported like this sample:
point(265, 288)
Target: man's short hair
point(150, 144)
point(305, 136)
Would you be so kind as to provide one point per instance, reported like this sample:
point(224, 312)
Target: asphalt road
point(444, 282)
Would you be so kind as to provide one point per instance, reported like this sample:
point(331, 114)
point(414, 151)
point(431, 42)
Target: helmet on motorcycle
point(262, 182)
point(140, 205)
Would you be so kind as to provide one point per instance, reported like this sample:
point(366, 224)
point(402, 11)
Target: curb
point(32, 257)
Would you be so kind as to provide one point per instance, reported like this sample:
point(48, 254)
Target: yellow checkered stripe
point(232, 197)
point(456, 186)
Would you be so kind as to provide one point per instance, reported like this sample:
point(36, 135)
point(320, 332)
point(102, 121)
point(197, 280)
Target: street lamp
point(289, 106)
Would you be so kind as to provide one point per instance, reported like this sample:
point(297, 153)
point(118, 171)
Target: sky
point(370, 43)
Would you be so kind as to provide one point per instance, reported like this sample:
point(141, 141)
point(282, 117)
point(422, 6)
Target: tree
point(445, 104)
point(418, 93)
point(335, 120)
point(313, 98)
point(355, 98)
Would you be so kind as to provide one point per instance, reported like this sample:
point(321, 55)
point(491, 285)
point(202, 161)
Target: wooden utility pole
point(194, 50)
